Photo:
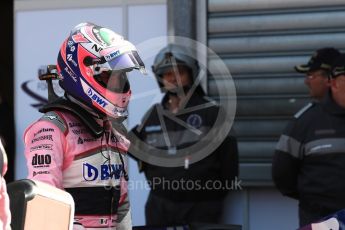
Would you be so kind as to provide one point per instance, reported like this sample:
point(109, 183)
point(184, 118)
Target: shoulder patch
point(195, 120)
point(54, 118)
point(304, 109)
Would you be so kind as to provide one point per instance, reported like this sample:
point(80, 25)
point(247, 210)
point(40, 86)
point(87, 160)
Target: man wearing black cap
point(309, 161)
point(317, 71)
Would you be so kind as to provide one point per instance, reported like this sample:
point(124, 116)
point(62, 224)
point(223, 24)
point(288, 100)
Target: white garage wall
point(145, 23)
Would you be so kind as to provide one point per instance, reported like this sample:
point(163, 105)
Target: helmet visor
point(127, 62)
point(115, 81)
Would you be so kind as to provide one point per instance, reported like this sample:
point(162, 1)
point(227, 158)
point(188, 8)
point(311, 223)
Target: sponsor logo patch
point(102, 172)
point(41, 160)
point(96, 48)
point(112, 55)
point(82, 140)
point(40, 173)
point(42, 138)
point(79, 131)
point(70, 59)
point(103, 221)
point(118, 110)
point(41, 147)
point(70, 43)
point(100, 101)
point(43, 130)
point(194, 120)
point(71, 74)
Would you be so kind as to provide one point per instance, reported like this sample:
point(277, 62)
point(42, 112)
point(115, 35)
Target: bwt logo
point(96, 98)
point(112, 55)
point(104, 172)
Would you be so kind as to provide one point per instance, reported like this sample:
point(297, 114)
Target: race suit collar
point(62, 104)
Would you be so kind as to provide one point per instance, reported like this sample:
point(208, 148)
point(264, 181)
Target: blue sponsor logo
point(70, 43)
point(112, 55)
point(89, 92)
point(71, 74)
point(102, 172)
point(195, 121)
point(96, 98)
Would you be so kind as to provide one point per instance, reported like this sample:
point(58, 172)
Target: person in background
point(80, 144)
point(5, 214)
point(176, 72)
point(308, 164)
point(318, 70)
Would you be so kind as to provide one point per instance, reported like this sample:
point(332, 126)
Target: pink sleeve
point(5, 214)
point(44, 152)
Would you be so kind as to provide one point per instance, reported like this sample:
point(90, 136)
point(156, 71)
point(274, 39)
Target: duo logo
point(102, 172)
point(41, 159)
point(96, 98)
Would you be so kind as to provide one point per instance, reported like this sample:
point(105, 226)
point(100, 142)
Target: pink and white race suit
point(5, 214)
point(61, 151)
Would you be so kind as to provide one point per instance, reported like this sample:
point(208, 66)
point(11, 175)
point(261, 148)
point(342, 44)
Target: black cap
point(322, 59)
point(339, 66)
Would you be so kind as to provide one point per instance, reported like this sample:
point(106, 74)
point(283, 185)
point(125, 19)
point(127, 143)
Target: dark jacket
point(220, 166)
point(309, 162)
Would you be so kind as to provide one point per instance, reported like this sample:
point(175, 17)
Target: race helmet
point(93, 63)
point(171, 56)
